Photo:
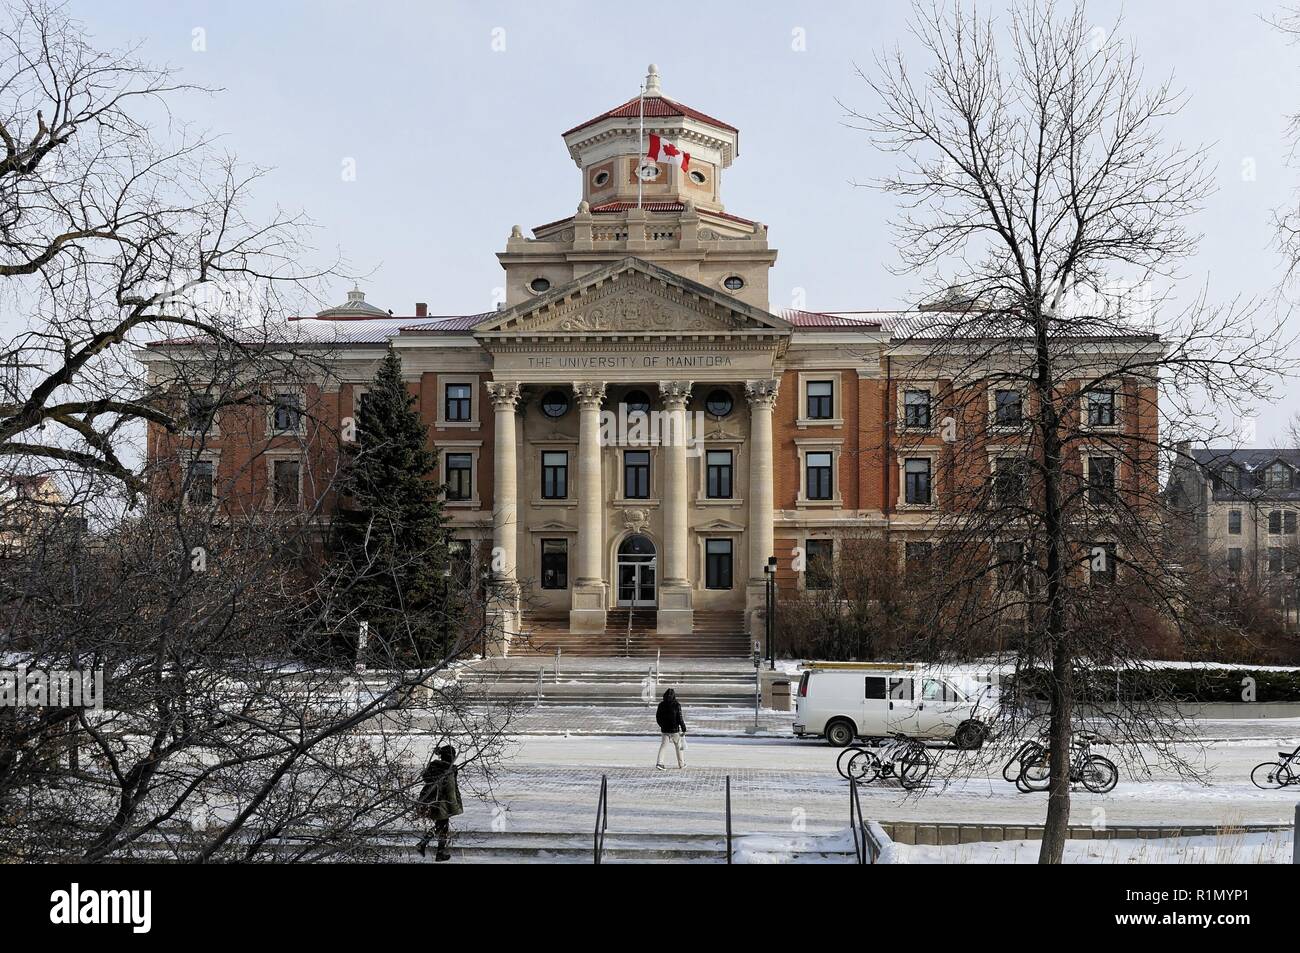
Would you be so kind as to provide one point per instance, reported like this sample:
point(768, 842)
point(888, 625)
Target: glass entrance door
point(636, 572)
point(636, 583)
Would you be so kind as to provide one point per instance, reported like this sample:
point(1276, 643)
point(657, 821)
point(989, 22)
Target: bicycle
point(1029, 751)
point(1096, 773)
point(842, 762)
point(1278, 774)
point(902, 757)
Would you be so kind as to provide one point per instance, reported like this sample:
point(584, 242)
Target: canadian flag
point(665, 151)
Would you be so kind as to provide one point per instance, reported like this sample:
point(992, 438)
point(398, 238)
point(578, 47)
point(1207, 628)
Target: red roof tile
point(656, 107)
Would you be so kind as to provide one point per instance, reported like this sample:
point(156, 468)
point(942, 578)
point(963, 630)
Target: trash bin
point(781, 694)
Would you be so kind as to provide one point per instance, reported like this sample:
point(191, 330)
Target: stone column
point(676, 613)
point(587, 609)
point(762, 398)
point(504, 601)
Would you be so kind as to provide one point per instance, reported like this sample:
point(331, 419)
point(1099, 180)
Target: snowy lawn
point(1253, 848)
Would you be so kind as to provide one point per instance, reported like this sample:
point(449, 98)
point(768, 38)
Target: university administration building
point(642, 315)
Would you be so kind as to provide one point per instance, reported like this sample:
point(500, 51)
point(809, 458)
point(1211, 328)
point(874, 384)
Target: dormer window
point(1230, 477)
point(1278, 477)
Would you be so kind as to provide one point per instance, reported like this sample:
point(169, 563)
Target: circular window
point(555, 403)
point(539, 286)
point(698, 177)
point(647, 172)
point(637, 401)
point(719, 403)
point(733, 282)
point(600, 179)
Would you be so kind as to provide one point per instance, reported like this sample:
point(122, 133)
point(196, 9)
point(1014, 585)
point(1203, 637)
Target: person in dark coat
point(672, 728)
point(440, 799)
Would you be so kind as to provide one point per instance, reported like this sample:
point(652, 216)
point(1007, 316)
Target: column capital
point(675, 394)
point(763, 391)
point(503, 394)
point(589, 393)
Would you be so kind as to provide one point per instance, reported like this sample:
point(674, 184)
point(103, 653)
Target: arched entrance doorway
point(636, 571)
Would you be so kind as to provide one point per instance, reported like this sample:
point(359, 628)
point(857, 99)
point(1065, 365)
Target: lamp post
point(770, 615)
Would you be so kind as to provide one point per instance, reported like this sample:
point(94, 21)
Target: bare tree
point(112, 234)
point(1036, 187)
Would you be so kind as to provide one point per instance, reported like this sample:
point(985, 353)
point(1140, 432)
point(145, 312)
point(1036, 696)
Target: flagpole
point(640, 144)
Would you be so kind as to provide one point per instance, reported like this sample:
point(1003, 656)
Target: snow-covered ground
point(1243, 848)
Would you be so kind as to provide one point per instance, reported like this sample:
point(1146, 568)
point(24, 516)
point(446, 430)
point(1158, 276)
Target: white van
point(848, 700)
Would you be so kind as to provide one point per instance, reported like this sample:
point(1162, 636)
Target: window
point(1274, 559)
point(637, 402)
point(539, 286)
point(901, 689)
point(200, 413)
point(1234, 522)
point(555, 404)
point(916, 409)
point(458, 563)
point(287, 416)
point(717, 563)
point(199, 491)
point(555, 564)
point(719, 403)
point(555, 475)
point(458, 402)
point(821, 400)
point(1288, 522)
point(460, 472)
point(1278, 477)
point(916, 560)
point(699, 178)
point(876, 688)
point(285, 482)
point(1102, 564)
point(1281, 522)
point(1010, 566)
point(600, 179)
point(733, 282)
point(636, 474)
point(1230, 478)
point(820, 555)
point(1234, 559)
point(818, 474)
point(1008, 480)
point(916, 481)
point(717, 475)
point(1008, 408)
point(1101, 408)
point(1101, 479)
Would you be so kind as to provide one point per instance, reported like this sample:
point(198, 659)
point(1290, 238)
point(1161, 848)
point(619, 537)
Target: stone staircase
point(616, 683)
point(630, 633)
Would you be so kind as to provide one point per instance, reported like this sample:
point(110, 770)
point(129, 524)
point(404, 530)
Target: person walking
point(672, 728)
point(440, 800)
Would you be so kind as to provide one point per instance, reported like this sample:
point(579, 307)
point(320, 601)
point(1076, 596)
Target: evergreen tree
point(390, 537)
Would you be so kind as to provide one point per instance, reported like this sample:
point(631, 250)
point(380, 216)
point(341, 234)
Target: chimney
point(421, 309)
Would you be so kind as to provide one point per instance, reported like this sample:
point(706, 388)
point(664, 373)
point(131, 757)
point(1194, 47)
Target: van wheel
point(840, 733)
point(970, 735)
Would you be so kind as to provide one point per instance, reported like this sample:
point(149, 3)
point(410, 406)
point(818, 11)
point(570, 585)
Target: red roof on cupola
point(656, 107)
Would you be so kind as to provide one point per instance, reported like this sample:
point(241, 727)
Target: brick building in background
point(806, 427)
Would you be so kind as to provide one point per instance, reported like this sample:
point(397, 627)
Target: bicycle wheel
point(1099, 774)
point(864, 767)
point(914, 769)
point(1035, 774)
point(1026, 752)
point(1269, 775)
point(841, 763)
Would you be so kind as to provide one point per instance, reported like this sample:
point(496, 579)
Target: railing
point(864, 846)
point(729, 818)
point(627, 639)
point(602, 821)
point(1295, 838)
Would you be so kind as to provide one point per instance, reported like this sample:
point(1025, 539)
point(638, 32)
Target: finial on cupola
point(652, 81)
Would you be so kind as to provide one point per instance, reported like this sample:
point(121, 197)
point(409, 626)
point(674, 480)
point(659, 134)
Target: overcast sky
point(452, 112)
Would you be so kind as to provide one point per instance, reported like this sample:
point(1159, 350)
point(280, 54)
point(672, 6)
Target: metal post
point(540, 673)
point(1295, 837)
point(758, 691)
point(557, 665)
point(729, 818)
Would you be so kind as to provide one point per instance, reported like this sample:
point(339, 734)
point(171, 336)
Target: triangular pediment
point(632, 296)
point(719, 525)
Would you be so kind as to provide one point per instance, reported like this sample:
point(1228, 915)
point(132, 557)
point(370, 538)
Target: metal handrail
point(602, 821)
point(728, 818)
point(627, 638)
point(864, 847)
